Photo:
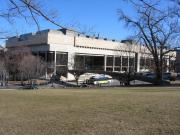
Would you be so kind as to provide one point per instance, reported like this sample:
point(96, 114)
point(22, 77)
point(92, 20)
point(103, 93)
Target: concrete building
point(177, 63)
point(2, 50)
point(65, 49)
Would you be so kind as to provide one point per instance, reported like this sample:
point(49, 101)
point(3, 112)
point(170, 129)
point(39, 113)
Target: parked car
point(151, 75)
point(166, 76)
point(99, 81)
point(30, 86)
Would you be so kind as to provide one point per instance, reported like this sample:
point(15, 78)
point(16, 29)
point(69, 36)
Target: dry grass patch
point(126, 111)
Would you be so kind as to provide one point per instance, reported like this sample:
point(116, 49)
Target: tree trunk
point(158, 70)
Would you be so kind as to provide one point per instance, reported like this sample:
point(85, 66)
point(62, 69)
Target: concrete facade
point(85, 48)
point(178, 61)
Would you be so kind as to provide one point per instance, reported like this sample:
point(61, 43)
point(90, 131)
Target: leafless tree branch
point(156, 28)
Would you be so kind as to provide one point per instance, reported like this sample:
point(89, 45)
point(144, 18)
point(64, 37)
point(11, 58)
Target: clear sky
point(100, 15)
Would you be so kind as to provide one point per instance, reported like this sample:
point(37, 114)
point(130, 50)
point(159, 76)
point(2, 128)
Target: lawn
point(120, 111)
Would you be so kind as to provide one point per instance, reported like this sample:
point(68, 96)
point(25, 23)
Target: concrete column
point(54, 62)
point(105, 62)
point(128, 63)
point(113, 63)
point(138, 62)
point(121, 64)
point(168, 65)
point(71, 57)
point(134, 65)
point(178, 61)
point(46, 67)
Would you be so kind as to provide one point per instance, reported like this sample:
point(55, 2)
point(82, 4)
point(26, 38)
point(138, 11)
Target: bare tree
point(3, 73)
point(127, 64)
point(31, 11)
point(13, 58)
point(176, 8)
point(31, 67)
point(156, 28)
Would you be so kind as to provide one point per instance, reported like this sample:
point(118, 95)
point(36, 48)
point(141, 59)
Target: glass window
point(124, 61)
point(109, 61)
point(117, 61)
point(61, 58)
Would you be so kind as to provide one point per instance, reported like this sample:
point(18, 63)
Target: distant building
point(65, 49)
point(177, 62)
point(2, 50)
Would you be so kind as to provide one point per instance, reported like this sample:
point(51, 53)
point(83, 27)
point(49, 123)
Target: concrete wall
point(74, 43)
point(58, 41)
point(178, 61)
point(57, 37)
point(28, 39)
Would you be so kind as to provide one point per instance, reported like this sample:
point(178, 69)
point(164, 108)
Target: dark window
point(79, 62)
point(109, 61)
point(142, 62)
point(124, 61)
point(131, 61)
point(42, 55)
point(61, 58)
point(50, 57)
point(117, 61)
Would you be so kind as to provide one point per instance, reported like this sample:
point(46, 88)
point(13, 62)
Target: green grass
point(126, 111)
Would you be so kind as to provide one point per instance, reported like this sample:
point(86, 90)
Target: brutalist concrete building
point(65, 49)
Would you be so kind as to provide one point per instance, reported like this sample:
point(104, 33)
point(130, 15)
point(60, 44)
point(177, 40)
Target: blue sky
point(100, 15)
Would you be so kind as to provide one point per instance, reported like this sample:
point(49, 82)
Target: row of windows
point(61, 58)
point(124, 60)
